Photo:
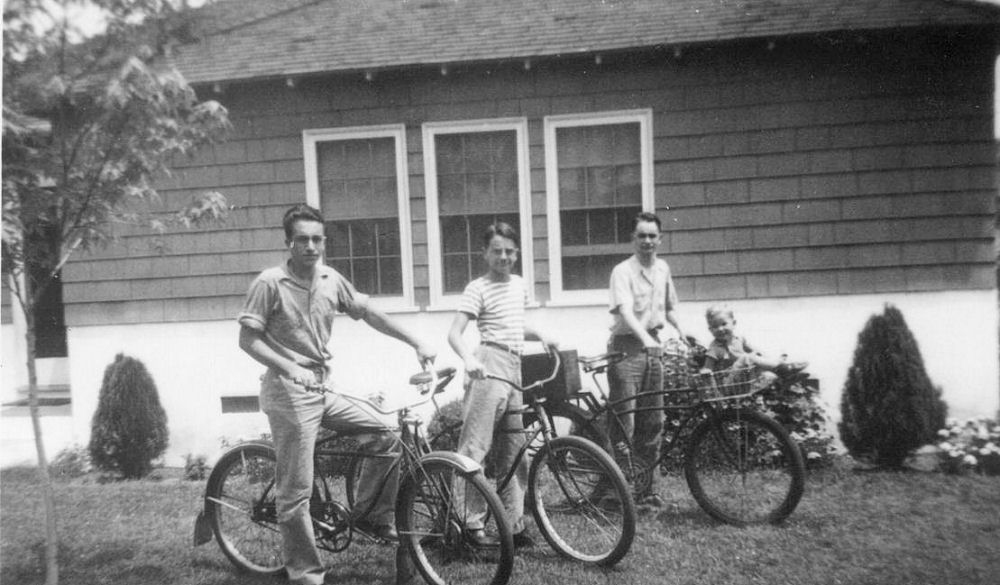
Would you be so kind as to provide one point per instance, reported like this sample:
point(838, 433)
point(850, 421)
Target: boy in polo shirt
point(496, 301)
point(643, 301)
point(286, 325)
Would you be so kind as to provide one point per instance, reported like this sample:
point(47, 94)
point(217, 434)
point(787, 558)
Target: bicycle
point(241, 513)
point(741, 466)
point(577, 494)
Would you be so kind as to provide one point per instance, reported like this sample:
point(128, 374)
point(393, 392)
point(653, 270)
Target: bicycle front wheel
point(743, 468)
point(580, 501)
point(240, 497)
point(438, 502)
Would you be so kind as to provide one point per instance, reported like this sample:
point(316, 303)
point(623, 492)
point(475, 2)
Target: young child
point(731, 351)
point(496, 301)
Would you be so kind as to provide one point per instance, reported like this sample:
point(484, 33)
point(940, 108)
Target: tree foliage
point(889, 405)
point(129, 429)
point(90, 123)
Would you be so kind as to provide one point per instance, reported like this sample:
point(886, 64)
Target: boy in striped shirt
point(496, 301)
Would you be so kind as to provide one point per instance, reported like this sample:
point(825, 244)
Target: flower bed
point(970, 446)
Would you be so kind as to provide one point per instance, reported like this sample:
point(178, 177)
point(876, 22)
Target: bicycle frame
point(408, 448)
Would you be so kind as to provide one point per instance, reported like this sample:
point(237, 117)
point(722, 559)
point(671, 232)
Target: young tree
point(889, 406)
point(89, 124)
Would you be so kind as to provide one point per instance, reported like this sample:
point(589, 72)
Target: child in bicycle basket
point(732, 353)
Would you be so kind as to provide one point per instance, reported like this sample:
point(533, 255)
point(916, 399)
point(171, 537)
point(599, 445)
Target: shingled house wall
point(817, 167)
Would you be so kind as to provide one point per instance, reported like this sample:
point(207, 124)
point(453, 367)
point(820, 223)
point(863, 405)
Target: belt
point(502, 347)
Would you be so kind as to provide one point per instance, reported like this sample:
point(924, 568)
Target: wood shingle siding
point(829, 165)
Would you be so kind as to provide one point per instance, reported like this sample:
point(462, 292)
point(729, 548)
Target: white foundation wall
point(194, 364)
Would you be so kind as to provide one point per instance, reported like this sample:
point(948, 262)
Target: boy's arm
point(473, 367)
point(381, 322)
point(253, 343)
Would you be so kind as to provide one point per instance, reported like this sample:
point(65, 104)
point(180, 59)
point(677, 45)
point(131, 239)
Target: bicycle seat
point(445, 374)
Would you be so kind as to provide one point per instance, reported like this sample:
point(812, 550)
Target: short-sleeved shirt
point(296, 318)
point(648, 292)
point(498, 308)
point(727, 354)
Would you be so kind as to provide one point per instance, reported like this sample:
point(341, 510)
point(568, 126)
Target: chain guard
point(332, 523)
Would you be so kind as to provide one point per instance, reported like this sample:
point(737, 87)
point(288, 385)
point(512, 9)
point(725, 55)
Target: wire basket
point(731, 384)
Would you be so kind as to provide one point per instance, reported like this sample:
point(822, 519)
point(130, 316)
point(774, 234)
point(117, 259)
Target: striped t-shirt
point(499, 309)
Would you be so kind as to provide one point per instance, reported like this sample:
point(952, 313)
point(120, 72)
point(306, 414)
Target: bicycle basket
point(731, 384)
point(538, 366)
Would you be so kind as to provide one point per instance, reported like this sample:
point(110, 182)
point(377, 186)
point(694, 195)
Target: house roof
point(247, 39)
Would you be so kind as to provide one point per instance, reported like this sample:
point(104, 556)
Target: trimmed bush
point(889, 406)
point(129, 428)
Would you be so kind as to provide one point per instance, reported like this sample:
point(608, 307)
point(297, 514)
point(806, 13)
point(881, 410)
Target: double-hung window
point(598, 175)
point(358, 178)
point(476, 173)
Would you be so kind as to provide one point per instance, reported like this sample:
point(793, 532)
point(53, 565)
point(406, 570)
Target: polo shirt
point(296, 317)
point(648, 292)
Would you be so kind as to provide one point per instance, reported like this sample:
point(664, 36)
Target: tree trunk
point(51, 538)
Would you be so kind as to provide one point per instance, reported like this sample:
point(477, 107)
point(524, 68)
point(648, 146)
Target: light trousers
point(295, 416)
point(485, 425)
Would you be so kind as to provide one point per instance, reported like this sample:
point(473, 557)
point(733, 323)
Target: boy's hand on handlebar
point(425, 354)
point(474, 368)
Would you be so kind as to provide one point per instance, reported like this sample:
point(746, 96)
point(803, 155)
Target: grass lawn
point(852, 527)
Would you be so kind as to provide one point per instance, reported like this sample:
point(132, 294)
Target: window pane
point(505, 191)
point(478, 152)
point(454, 234)
point(625, 216)
point(628, 185)
point(456, 272)
point(390, 276)
point(478, 182)
point(600, 187)
point(362, 239)
point(603, 227)
point(449, 153)
point(388, 237)
point(600, 191)
point(573, 225)
point(338, 243)
point(358, 193)
point(451, 194)
point(366, 275)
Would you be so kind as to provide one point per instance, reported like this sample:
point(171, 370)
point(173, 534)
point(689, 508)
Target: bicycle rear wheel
point(241, 505)
point(434, 507)
point(743, 468)
point(580, 501)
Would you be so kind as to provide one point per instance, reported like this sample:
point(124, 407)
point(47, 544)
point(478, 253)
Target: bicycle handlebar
point(425, 380)
point(556, 363)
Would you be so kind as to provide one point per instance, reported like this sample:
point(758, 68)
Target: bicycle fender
point(213, 477)
point(465, 464)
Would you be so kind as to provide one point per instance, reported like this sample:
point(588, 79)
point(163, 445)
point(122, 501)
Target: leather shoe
point(522, 540)
point(478, 538)
point(380, 531)
point(788, 369)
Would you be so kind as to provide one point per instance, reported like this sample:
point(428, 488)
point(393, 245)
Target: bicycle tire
point(568, 419)
point(743, 468)
point(241, 504)
point(582, 423)
point(431, 517)
point(581, 502)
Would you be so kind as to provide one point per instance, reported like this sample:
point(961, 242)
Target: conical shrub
point(129, 428)
point(889, 406)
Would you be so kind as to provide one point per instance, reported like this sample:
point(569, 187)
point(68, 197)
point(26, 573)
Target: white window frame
point(644, 117)
point(438, 299)
point(310, 139)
